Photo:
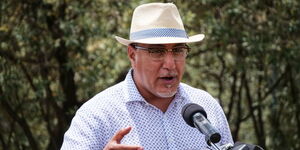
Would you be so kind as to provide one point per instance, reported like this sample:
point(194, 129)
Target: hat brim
point(162, 40)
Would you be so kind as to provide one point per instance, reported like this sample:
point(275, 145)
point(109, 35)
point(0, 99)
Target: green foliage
point(55, 55)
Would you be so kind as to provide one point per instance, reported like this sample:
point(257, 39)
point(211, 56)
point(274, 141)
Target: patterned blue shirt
point(122, 105)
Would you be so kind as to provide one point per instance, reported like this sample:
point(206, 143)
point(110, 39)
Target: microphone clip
point(236, 146)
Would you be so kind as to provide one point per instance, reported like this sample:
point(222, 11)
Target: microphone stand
point(215, 146)
point(223, 147)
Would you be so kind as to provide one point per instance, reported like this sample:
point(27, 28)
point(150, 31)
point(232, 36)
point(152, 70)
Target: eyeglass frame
point(137, 47)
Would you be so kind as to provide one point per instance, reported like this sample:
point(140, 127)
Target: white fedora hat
point(157, 23)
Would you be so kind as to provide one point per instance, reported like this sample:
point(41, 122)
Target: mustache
point(169, 74)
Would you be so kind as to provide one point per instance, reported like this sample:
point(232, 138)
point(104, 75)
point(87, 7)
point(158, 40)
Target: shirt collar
point(132, 93)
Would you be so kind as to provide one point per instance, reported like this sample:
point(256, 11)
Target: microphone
point(195, 116)
point(244, 146)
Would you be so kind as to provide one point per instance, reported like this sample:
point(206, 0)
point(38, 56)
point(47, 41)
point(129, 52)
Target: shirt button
point(170, 140)
point(165, 118)
point(175, 104)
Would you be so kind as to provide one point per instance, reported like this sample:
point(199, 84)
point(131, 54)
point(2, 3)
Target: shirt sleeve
point(223, 126)
point(87, 132)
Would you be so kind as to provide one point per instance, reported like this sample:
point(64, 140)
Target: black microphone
point(195, 116)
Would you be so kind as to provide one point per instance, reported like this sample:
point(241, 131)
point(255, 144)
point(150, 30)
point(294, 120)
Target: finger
point(114, 146)
point(128, 147)
point(120, 134)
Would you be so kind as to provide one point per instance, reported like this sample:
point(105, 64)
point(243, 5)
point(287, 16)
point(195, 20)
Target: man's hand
point(114, 143)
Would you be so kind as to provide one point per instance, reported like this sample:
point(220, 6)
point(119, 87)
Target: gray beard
point(166, 94)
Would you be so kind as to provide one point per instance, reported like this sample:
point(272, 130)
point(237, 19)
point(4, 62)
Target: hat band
point(158, 32)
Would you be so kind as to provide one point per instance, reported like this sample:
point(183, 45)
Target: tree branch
point(21, 121)
point(233, 94)
point(256, 125)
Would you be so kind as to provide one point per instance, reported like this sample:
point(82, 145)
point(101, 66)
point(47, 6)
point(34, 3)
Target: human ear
point(131, 53)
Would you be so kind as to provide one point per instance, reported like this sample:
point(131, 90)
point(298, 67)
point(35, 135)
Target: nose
point(169, 61)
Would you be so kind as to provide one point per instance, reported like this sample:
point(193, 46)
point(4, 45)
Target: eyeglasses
point(159, 53)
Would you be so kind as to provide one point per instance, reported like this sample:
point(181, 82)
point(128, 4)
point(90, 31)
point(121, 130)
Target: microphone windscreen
point(188, 112)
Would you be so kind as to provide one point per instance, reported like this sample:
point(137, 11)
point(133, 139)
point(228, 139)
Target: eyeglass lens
point(179, 52)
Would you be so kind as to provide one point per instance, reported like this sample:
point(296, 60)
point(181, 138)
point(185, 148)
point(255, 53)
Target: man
point(143, 111)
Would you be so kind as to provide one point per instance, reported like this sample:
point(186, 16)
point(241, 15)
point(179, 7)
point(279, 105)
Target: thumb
point(120, 134)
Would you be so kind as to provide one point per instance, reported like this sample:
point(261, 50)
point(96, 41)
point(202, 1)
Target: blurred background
point(57, 54)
